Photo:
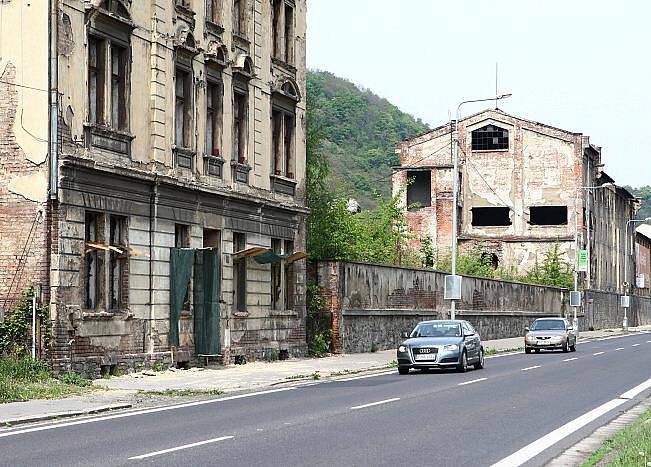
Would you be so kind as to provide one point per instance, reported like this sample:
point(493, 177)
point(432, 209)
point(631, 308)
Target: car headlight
point(402, 349)
point(451, 347)
point(529, 338)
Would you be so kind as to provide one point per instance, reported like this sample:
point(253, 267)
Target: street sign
point(583, 260)
point(639, 281)
point(575, 298)
point(625, 301)
point(452, 289)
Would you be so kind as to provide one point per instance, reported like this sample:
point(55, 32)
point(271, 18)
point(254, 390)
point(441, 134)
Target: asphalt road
point(419, 419)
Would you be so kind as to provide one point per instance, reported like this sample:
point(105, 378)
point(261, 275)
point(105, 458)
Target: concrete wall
point(375, 304)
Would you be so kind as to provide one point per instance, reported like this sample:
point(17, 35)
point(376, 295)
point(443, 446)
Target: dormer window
point(490, 138)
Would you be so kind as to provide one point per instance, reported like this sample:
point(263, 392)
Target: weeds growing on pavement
point(631, 446)
point(497, 352)
point(183, 393)
point(22, 378)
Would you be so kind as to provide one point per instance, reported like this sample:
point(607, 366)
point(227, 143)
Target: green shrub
point(75, 379)
point(158, 366)
point(374, 347)
point(320, 344)
point(15, 330)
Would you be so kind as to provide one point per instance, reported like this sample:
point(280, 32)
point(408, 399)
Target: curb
point(56, 415)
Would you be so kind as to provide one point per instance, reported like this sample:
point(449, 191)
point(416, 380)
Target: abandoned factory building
point(152, 176)
point(524, 187)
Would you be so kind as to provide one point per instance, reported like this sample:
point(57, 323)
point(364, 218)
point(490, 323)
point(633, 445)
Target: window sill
point(287, 67)
point(105, 137)
point(283, 313)
point(214, 28)
point(490, 150)
point(283, 185)
point(186, 13)
point(241, 40)
point(241, 171)
point(100, 315)
point(213, 166)
point(183, 157)
point(240, 314)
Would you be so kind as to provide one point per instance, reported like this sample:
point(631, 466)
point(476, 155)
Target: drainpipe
point(53, 72)
point(153, 226)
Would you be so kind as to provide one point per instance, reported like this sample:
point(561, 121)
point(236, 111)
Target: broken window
point(213, 118)
point(239, 272)
point(548, 215)
point(183, 112)
point(419, 189)
point(490, 138)
point(118, 277)
point(490, 258)
point(93, 259)
point(213, 11)
point(211, 238)
point(491, 217)
point(118, 87)
point(276, 275)
point(240, 130)
point(96, 77)
point(290, 278)
point(289, 34)
point(283, 125)
point(239, 14)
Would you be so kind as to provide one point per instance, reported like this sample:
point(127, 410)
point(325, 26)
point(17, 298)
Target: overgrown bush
point(75, 379)
point(320, 344)
point(15, 330)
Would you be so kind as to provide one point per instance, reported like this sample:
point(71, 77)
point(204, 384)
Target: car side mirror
point(526, 329)
point(570, 328)
point(405, 335)
point(468, 333)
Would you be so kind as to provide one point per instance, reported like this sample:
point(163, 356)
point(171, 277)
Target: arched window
point(490, 138)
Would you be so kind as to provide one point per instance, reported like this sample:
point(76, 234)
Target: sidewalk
point(132, 389)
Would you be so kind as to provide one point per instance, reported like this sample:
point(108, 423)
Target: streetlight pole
point(627, 284)
point(455, 187)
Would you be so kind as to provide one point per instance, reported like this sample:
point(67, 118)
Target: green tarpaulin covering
point(206, 302)
point(181, 262)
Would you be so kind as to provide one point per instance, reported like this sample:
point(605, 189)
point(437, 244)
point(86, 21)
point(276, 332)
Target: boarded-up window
point(419, 189)
point(491, 216)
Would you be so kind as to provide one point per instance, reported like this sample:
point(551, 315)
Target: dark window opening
point(491, 217)
point(276, 275)
point(183, 112)
point(490, 258)
point(240, 130)
point(96, 77)
point(490, 138)
point(214, 119)
point(118, 277)
point(93, 260)
point(239, 17)
point(419, 190)
point(213, 11)
point(276, 26)
point(289, 33)
point(290, 278)
point(211, 238)
point(548, 215)
point(118, 87)
point(239, 272)
point(182, 240)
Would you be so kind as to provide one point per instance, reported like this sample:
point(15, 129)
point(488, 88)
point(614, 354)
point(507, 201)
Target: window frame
point(239, 273)
point(480, 136)
point(240, 124)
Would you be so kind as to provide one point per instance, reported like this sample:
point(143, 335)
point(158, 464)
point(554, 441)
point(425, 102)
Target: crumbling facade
point(523, 189)
point(165, 189)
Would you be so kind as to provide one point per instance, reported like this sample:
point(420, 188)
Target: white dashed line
point(619, 348)
point(386, 401)
point(635, 345)
point(185, 446)
point(598, 353)
point(648, 342)
point(570, 359)
point(473, 381)
point(530, 368)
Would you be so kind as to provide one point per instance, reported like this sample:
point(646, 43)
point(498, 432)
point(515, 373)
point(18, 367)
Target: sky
point(581, 65)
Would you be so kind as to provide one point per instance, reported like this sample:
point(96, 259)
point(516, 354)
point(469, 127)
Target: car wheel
point(537, 350)
point(573, 347)
point(566, 348)
point(480, 364)
point(527, 350)
point(463, 365)
point(403, 370)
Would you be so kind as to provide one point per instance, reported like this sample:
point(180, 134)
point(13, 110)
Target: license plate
point(427, 356)
point(543, 342)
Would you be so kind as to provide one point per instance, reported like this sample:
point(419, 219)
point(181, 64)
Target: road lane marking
point(570, 359)
point(179, 448)
point(386, 401)
point(140, 412)
point(532, 450)
point(473, 381)
point(635, 345)
point(530, 368)
point(366, 376)
point(598, 353)
point(619, 348)
point(648, 342)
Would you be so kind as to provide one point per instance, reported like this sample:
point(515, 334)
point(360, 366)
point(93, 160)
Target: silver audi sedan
point(550, 334)
point(441, 344)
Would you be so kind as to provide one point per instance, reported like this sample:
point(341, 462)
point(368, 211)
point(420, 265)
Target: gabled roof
point(644, 230)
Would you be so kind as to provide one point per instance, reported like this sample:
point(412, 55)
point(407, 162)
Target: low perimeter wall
point(374, 304)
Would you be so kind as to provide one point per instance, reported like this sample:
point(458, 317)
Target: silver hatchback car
point(550, 334)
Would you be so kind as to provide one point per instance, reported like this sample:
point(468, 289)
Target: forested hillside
point(643, 192)
point(359, 131)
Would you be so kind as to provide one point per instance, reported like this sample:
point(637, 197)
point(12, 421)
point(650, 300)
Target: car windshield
point(437, 330)
point(548, 325)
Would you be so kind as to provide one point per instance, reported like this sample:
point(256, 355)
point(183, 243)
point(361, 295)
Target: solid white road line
point(179, 448)
point(473, 381)
point(648, 342)
point(530, 368)
point(598, 353)
point(531, 450)
point(365, 376)
point(619, 348)
point(139, 412)
point(635, 345)
point(386, 401)
point(570, 359)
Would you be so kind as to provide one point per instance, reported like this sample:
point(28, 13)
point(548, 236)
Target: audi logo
point(425, 350)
